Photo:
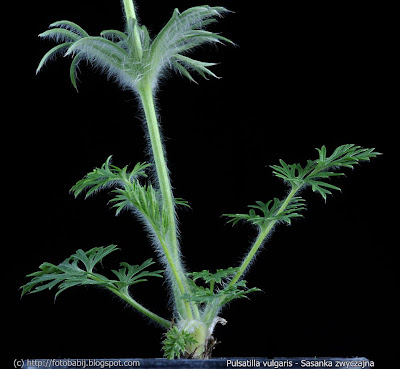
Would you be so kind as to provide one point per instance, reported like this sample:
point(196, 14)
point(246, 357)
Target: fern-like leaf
point(129, 275)
point(271, 211)
point(176, 341)
point(77, 270)
point(316, 172)
point(108, 175)
point(93, 256)
point(217, 290)
point(70, 272)
point(129, 194)
point(218, 277)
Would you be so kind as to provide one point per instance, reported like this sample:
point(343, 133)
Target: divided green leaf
point(216, 277)
point(176, 341)
point(132, 274)
point(70, 273)
point(317, 171)
point(272, 211)
point(314, 174)
point(108, 175)
point(224, 292)
point(77, 270)
point(130, 194)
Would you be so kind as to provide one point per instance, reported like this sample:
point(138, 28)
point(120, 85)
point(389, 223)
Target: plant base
point(211, 342)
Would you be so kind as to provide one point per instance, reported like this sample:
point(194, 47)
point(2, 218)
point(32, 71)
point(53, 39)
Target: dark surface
point(258, 362)
point(302, 76)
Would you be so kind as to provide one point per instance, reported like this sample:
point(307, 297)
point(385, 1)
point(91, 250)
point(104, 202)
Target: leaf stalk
point(139, 307)
point(261, 237)
point(126, 297)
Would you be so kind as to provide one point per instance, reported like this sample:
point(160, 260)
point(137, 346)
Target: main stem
point(171, 246)
point(129, 8)
point(146, 95)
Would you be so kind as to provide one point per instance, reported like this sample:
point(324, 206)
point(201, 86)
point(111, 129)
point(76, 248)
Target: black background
point(302, 75)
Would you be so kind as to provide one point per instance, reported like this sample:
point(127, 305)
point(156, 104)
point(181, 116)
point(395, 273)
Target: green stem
point(130, 13)
point(212, 284)
point(261, 237)
point(129, 9)
point(126, 297)
point(171, 246)
point(182, 307)
point(212, 309)
point(146, 95)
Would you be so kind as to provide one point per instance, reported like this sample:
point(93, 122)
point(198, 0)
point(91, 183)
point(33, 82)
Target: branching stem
point(126, 297)
point(261, 237)
point(212, 309)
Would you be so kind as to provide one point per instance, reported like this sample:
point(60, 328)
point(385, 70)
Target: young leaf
point(223, 294)
point(175, 342)
point(236, 291)
point(216, 277)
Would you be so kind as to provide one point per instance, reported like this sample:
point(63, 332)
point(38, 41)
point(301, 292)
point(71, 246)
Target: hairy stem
point(146, 95)
point(170, 245)
point(261, 237)
point(211, 310)
point(126, 297)
point(129, 8)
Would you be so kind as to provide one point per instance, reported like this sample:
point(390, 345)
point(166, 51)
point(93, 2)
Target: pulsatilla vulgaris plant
point(137, 62)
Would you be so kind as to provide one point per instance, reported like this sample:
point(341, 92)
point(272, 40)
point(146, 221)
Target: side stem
point(261, 237)
point(126, 297)
point(212, 310)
